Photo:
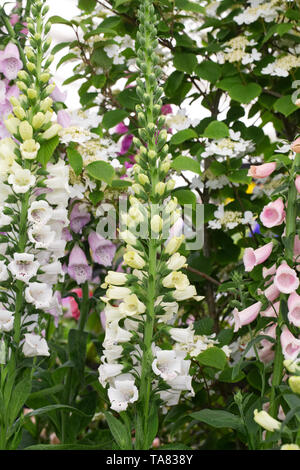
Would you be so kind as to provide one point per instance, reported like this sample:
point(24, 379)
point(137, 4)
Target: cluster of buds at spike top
point(136, 303)
point(31, 121)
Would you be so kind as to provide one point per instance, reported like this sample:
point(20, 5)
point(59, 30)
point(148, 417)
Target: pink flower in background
point(262, 171)
point(64, 118)
point(290, 345)
point(273, 213)
point(252, 257)
point(58, 95)
point(271, 311)
point(246, 316)
point(125, 144)
point(166, 109)
point(294, 309)
point(296, 145)
point(121, 128)
point(78, 267)
point(14, 18)
point(266, 354)
point(102, 249)
point(79, 217)
point(297, 183)
point(10, 62)
point(286, 279)
point(269, 271)
point(70, 304)
point(271, 292)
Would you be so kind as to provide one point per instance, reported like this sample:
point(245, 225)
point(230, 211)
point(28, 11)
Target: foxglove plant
point(136, 301)
point(33, 215)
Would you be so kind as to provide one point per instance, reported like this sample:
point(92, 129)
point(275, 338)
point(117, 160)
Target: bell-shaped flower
point(108, 371)
point(182, 335)
point(10, 62)
point(39, 212)
point(271, 311)
point(6, 320)
point(176, 262)
point(266, 421)
point(290, 345)
point(78, 267)
point(252, 257)
point(286, 279)
point(187, 293)
point(271, 292)
point(29, 149)
point(176, 280)
point(273, 213)
point(134, 260)
point(102, 249)
point(246, 316)
point(39, 294)
point(122, 392)
point(51, 272)
point(23, 267)
point(167, 364)
point(132, 306)
point(117, 292)
point(294, 309)
point(41, 236)
point(21, 180)
point(79, 217)
point(4, 275)
point(114, 334)
point(35, 345)
point(262, 171)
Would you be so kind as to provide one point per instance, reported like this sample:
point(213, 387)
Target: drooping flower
point(35, 345)
point(252, 257)
point(39, 294)
point(246, 316)
point(21, 180)
point(286, 279)
point(290, 345)
point(273, 213)
point(10, 62)
point(262, 171)
point(294, 309)
point(79, 217)
point(102, 249)
point(39, 212)
point(122, 392)
point(266, 421)
point(78, 267)
point(6, 320)
point(23, 267)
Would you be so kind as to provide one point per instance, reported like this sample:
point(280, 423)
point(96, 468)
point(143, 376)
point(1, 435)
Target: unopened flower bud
point(31, 93)
point(21, 86)
point(51, 132)
point(137, 188)
point(156, 223)
point(44, 77)
point(143, 179)
point(160, 188)
point(294, 383)
point(170, 185)
point(29, 52)
point(22, 75)
point(25, 130)
point(12, 124)
point(38, 120)
point(46, 104)
point(152, 154)
point(30, 66)
point(19, 112)
point(174, 244)
point(13, 101)
point(50, 88)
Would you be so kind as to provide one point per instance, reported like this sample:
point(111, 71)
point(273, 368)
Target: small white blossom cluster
point(193, 344)
point(233, 146)
point(268, 11)
point(180, 121)
point(235, 51)
point(114, 51)
point(282, 66)
point(227, 219)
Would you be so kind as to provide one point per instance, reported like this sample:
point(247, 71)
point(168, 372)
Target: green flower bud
point(31, 93)
point(38, 120)
point(12, 124)
point(51, 132)
point(29, 53)
point(22, 75)
point(19, 112)
point(21, 86)
point(30, 67)
point(294, 383)
point(13, 101)
point(160, 188)
point(44, 77)
point(46, 104)
point(25, 130)
point(170, 185)
point(50, 88)
point(143, 179)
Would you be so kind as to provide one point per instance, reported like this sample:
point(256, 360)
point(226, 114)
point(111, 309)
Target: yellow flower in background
point(250, 188)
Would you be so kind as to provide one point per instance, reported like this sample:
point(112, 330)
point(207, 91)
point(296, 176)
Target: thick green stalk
point(84, 306)
point(291, 216)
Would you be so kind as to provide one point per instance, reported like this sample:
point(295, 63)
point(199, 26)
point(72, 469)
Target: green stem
point(84, 306)
point(291, 216)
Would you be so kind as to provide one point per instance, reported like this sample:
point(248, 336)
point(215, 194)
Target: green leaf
point(20, 393)
point(119, 432)
point(209, 71)
point(279, 29)
point(46, 150)
point(121, 184)
point(68, 446)
point(218, 418)
point(186, 163)
point(285, 106)
point(47, 409)
point(87, 5)
point(240, 176)
point(213, 357)
point(182, 136)
point(185, 62)
point(185, 196)
point(204, 326)
point(189, 6)
point(216, 130)
point(102, 171)
point(77, 349)
point(112, 118)
point(245, 93)
point(75, 160)
point(65, 58)
point(59, 20)
point(46, 391)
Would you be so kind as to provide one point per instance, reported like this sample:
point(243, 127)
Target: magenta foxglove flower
point(78, 267)
point(262, 171)
point(79, 217)
point(126, 143)
point(166, 109)
point(297, 183)
point(290, 345)
point(273, 213)
point(294, 309)
point(102, 250)
point(14, 18)
point(252, 257)
point(246, 316)
point(10, 62)
point(286, 279)
point(121, 128)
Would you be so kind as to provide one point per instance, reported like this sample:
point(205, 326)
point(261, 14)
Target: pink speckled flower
point(271, 292)
point(102, 249)
point(294, 309)
point(10, 62)
point(290, 345)
point(246, 316)
point(286, 279)
point(252, 257)
point(262, 171)
point(273, 213)
point(78, 267)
